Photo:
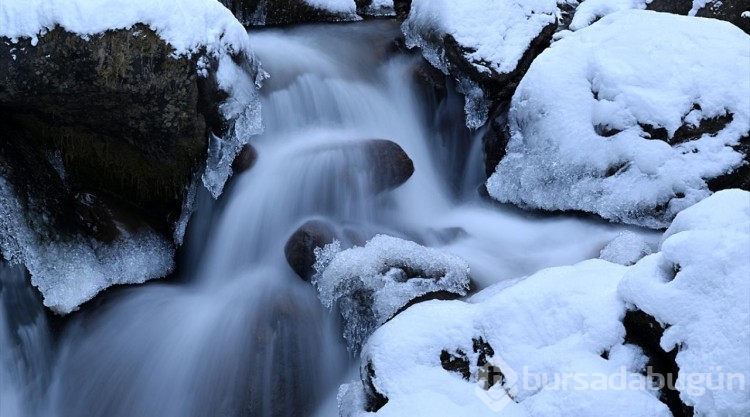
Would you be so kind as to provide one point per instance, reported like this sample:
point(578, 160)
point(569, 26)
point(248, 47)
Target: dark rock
point(457, 362)
point(374, 399)
point(388, 162)
point(644, 331)
point(300, 248)
point(118, 107)
point(495, 86)
point(281, 12)
point(496, 137)
point(402, 8)
point(245, 159)
point(738, 177)
point(730, 11)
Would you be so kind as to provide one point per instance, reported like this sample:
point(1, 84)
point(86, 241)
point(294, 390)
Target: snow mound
point(699, 287)
point(371, 284)
point(493, 35)
point(72, 271)
point(626, 249)
point(343, 7)
point(554, 323)
point(603, 123)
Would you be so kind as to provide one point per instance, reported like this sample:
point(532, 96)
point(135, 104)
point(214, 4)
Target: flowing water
point(238, 333)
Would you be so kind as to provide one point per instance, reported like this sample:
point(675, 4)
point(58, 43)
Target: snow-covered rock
point(114, 98)
point(590, 11)
point(371, 284)
point(485, 44)
point(603, 123)
point(285, 12)
point(698, 287)
point(555, 342)
point(557, 322)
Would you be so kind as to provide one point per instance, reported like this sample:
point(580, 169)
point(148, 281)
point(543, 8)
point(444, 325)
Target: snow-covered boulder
point(557, 322)
point(554, 343)
point(698, 288)
point(486, 44)
point(603, 123)
point(107, 108)
point(590, 11)
point(286, 12)
point(373, 283)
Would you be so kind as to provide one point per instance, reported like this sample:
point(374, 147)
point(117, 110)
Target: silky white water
point(238, 333)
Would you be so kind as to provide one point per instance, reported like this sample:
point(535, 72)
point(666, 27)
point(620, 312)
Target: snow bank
point(344, 7)
point(582, 118)
point(556, 322)
point(370, 284)
point(494, 34)
point(699, 286)
point(590, 10)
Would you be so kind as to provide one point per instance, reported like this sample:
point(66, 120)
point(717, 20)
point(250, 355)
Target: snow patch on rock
point(583, 117)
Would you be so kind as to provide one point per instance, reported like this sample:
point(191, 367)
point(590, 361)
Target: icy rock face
point(373, 283)
point(698, 287)
point(601, 122)
point(117, 108)
point(486, 44)
point(286, 12)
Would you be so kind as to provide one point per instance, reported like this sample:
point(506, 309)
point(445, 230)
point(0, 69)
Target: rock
point(285, 12)
point(245, 159)
point(299, 249)
point(118, 107)
point(674, 155)
point(488, 63)
point(644, 331)
point(372, 284)
point(389, 164)
point(402, 8)
point(731, 11)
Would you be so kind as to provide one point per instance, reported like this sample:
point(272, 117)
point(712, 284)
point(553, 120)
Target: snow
point(590, 10)
point(381, 8)
point(381, 278)
point(706, 304)
point(577, 118)
point(495, 33)
point(347, 7)
point(626, 249)
point(555, 322)
point(187, 25)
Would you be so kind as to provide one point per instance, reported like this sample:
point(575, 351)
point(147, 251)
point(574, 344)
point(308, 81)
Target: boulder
point(600, 115)
point(118, 108)
point(300, 248)
point(287, 12)
point(465, 42)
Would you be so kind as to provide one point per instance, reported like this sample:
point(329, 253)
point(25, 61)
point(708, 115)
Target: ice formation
point(370, 284)
point(603, 123)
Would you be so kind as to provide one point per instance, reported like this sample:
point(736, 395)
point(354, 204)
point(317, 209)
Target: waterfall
point(237, 333)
